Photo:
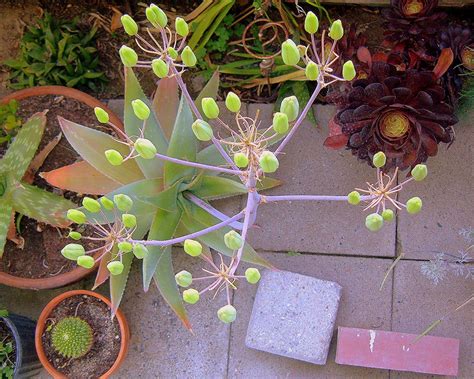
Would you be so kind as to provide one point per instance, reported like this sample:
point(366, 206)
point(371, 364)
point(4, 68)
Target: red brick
point(397, 351)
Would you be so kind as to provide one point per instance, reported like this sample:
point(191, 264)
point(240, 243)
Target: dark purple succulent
point(402, 114)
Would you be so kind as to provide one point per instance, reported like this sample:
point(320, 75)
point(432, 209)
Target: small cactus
point(72, 337)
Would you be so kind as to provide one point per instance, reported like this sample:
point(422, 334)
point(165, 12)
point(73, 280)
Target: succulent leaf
point(119, 282)
point(166, 199)
point(210, 90)
point(165, 104)
point(6, 210)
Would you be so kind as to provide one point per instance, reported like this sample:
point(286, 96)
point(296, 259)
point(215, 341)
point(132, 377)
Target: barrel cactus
point(72, 337)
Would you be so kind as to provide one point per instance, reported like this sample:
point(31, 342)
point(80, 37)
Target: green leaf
point(165, 104)
point(91, 145)
point(210, 90)
point(39, 204)
point(166, 199)
point(195, 218)
point(119, 282)
point(6, 210)
point(218, 187)
point(23, 148)
point(152, 168)
point(183, 145)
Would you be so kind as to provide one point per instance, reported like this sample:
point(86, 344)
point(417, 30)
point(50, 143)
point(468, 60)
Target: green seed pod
point(233, 240)
point(202, 130)
point(76, 216)
point(241, 160)
point(156, 16)
point(280, 123)
point(129, 221)
point(160, 68)
point(312, 71)
point(184, 278)
point(388, 215)
point(115, 267)
point(107, 203)
point(348, 71)
point(353, 198)
point(140, 251)
point(192, 248)
point(72, 337)
point(125, 246)
point(210, 107)
point(311, 23)
point(227, 314)
point(232, 102)
point(268, 162)
point(290, 53)
point(145, 148)
point(123, 202)
point(172, 53)
point(72, 251)
point(414, 205)
point(191, 296)
point(188, 57)
point(128, 56)
point(91, 204)
point(129, 24)
point(75, 235)
point(181, 27)
point(379, 159)
point(374, 222)
point(86, 261)
point(101, 115)
point(336, 32)
point(419, 172)
point(252, 275)
point(290, 107)
point(140, 109)
point(114, 157)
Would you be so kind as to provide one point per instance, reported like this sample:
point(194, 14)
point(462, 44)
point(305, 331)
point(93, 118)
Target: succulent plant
point(72, 337)
point(158, 174)
point(16, 195)
point(403, 114)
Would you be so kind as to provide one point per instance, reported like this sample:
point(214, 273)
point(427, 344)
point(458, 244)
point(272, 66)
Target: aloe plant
point(162, 183)
point(18, 196)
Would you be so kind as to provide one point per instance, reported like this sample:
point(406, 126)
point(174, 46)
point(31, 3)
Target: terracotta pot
point(45, 314)
point(78, 272)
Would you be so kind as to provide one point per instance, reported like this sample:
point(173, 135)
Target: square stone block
point(293, 315)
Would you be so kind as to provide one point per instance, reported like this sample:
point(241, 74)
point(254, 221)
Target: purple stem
point(211, 210)
point(192, 235)
point(198, 165)
point(300, 119)
point(271, 199)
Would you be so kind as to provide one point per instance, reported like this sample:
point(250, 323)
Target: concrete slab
point(310, 168)
point(160, 346)
point(448, 199)
point(361, 305)
point(293, 316)
point(417, 303)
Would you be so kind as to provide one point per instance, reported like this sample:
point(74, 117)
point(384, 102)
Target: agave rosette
point(160, 190)
point(402, 114)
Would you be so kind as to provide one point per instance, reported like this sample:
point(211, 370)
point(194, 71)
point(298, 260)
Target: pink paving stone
point(397, 351)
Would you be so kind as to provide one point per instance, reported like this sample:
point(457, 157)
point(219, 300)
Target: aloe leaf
point(166, 199)
point(183, 145)
point(152, 168)
point(267, 183)
point(91, 145)
point(210, 90)
point(119, 282)
point(218, 187)
point(163, 227)
point(195, 218)
point(165, 104)
point(6, 210)
point(80, 177)
point(23, 148)
point(39, 204)
point(142, 189)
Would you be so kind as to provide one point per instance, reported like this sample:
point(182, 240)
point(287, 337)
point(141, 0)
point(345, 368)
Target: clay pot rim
point(76, 273)
point(40, 326)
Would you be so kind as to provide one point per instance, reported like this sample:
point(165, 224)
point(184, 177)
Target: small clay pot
point(45, 314)
point(76, 273)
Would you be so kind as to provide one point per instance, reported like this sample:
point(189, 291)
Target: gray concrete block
point(293, 316)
